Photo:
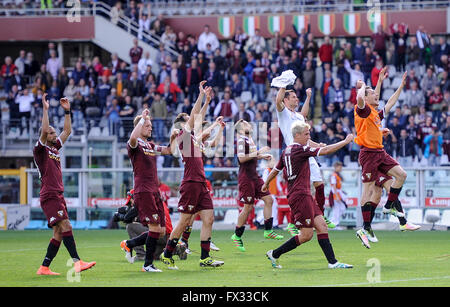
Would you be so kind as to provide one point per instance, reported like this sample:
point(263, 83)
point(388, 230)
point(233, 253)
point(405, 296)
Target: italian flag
point(375, 19)
point(352, 23)
point(226, 26)
point(301, 22)
point(276, 24)
point(251, 23)
point(326, 23)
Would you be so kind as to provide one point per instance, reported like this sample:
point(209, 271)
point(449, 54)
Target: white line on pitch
point(384, 282)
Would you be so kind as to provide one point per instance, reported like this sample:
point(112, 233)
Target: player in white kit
point(286, 104)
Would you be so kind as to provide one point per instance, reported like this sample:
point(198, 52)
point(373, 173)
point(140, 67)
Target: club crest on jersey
point(190, 207)
point(249, 198)
point(381, 179)
point(155, 216)
point(308, 221)
point(368, 175)
point(60, 213)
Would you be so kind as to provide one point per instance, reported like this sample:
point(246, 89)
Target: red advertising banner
point(441, 202)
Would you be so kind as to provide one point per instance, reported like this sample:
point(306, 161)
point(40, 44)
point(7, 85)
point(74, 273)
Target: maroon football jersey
point(48, 162)
point(143, 159)
point(294, 160)
point(192, 156)
point(247, 170)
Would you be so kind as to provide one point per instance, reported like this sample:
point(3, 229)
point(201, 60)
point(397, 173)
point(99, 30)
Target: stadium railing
point(94, 194)
point(97, 9)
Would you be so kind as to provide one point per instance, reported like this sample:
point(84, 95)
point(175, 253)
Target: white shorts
point(315, 170)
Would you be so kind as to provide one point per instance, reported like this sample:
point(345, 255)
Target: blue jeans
point(158, 129)
point(259, 91)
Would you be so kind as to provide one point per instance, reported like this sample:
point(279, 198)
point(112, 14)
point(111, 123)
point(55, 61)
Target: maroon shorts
point(150, 208)
point(375, 163)
point(382, 178)
point(250, 190)
point(194, 197)
point(303, 210)
point(54, 207)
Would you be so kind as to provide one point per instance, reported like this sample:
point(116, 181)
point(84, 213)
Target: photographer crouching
point(129, 215)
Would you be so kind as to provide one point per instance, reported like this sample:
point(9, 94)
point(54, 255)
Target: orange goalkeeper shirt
point(368, 127)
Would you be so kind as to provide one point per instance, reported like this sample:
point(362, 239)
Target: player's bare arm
point(67, 130)
point(219, 134)
point(263, 153)
point(361, 87)
point(167, 150)
point(197, 106)
point(173, 142)
point(329, 149)
point(381, 77)
point(305, 108)
point(394, 98)
point(273, 174)
point(279, 99)
point(135, 134)
point(45, 122)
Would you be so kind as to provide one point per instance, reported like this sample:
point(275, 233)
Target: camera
point(119, 216)
point(126, 213)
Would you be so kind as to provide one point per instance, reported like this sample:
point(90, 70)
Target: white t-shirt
point(25, 102)
point(285, 120)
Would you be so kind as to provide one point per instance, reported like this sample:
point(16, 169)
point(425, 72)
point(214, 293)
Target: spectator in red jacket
point(326, 52)
point(7, 73)
point(169, 87)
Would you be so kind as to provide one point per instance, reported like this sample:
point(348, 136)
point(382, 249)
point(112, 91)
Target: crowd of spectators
point(240, 69)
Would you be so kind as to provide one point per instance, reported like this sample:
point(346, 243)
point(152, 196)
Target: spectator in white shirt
point(144, 20)
point(355, 74)
point(25, 100)
point(53, 64)
point(143, 63)
point(20, 62)
point(207, 37)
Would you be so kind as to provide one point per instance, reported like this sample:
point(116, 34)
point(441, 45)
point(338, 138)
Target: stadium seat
point(415, 216)
point(246, 96)
point(105, 131)
point(95, 131)
point(386, 83)
point(392, 71)
point(231, 216)
point(396, 83)
point(387, 93)
point(432, 213)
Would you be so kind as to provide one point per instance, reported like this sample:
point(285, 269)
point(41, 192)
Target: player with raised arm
point(209, 151)
point(250, 183)
point(47, 159)
point(194, 194)
point(305, 213)
point(147, 198)
point(374, 160)
point(286, 105)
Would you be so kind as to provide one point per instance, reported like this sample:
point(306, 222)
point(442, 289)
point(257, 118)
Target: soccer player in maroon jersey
point(147, 198)
point(194, 194)
point(305, 212)
point(47, 159)
point(205, 135)
point(250, 183)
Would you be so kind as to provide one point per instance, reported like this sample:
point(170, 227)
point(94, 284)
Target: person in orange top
point(374, 160)
point(337, 196)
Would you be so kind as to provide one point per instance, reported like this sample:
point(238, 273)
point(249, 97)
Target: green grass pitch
point(399, 259)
